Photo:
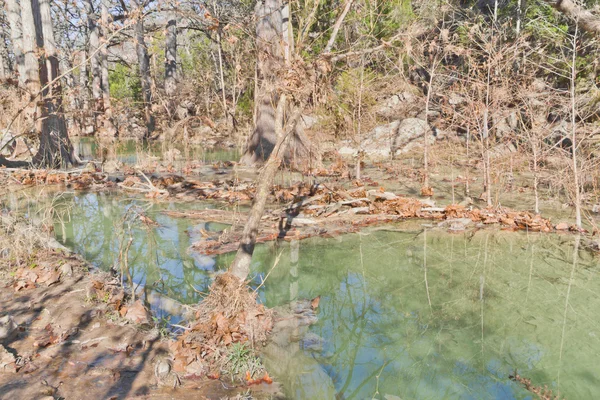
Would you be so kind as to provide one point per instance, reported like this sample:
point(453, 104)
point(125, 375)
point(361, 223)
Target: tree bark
point(271, 60)
point(42, 74)
point(240, 267)
point(585, 19)
point(106, 103)
point(171, 56)
point(4, 64)
point(144, 66)
point(95, 62)
point(13, 13)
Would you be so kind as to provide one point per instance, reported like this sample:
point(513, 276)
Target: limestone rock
point(8, 326)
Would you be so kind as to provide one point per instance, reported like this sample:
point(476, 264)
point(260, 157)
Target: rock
point(8, 326)
point(111, 166)
point(66, 270)
point(391, 139)
point(308, 121)
point(455, 99)
point(8, 363)
point(428, 202)
point(455, 224)
point(376, 194)
point(563, 226)
point(347, 151)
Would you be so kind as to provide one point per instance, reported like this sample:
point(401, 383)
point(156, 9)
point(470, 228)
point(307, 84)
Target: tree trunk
point(13, 13)
point(144, 66)
point(95, 62)
point(108, 123)
point(31, 77)
point(585, 19)
point(171, 57)
point(83, 80)
point(4, 64)
point(271, 58)
point(55, 147)
point(240, 267)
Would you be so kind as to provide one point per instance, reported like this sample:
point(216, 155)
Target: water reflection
point(90, 224)
point(130, 150)
point(428, 315)
point(410, 313)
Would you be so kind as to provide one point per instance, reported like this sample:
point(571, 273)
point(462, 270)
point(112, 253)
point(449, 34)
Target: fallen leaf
point(314, 304)
point(138, 314)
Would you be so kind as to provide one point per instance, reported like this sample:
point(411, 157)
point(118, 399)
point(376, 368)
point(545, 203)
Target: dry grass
point(231, 298)
point(19, 240)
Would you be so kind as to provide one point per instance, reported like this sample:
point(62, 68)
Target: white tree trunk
point(13, 13)
point(95, 62)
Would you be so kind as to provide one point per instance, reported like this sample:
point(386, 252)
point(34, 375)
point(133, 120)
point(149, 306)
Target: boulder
point(8, 326)
point(393, 106)
point(308, 121)
point(391, 139)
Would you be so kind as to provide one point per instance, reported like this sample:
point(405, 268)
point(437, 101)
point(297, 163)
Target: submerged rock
point(312, 342)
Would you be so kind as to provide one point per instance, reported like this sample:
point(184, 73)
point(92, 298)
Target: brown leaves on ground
point(518, 220)
point(229, 314)
point(77, 180)
point(426, 191)
point(137, 313)
point(31, 277)
point(542, 393)
point(51, 337)
point(113, 295)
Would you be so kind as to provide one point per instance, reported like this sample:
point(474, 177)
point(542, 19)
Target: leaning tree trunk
point(272, 49)
point(240, 267)
point(13, 13)
point(55, 147)
point(144, 66)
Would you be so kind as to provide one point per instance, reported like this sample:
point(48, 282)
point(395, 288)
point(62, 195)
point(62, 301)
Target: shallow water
point(431, 316)
point(403, 313)
point(130, 150)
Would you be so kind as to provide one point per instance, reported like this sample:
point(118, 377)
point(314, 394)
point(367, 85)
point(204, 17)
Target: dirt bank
point(62, 337)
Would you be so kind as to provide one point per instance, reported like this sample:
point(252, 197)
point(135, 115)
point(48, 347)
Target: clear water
point(403, 314)
point(129, 150)
point(485, 305)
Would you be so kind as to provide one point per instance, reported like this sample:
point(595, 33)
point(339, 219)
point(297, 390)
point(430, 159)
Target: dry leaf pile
point(229, 314)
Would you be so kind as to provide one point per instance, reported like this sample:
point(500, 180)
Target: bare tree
point(144, 65)
point(95, 62)
point(171, 56)
point(42, 72)
point(271, 58)
point(13, 13)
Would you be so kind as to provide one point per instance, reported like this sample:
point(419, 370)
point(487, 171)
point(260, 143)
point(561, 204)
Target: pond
point(128, 151)
point(404, 313)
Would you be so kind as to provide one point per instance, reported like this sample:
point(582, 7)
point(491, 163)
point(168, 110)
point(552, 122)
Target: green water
point(128, 151)
point(92, 224)
point(485, 305)
point(405, 313)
